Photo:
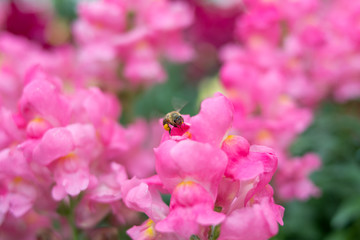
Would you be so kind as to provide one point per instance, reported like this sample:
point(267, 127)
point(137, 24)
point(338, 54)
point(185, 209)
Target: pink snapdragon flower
point(239, 178)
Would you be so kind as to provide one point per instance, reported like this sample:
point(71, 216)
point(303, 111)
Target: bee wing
point(156, 115)
point(178, 104)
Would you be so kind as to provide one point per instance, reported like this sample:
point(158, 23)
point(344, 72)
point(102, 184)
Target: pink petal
point(213, 121)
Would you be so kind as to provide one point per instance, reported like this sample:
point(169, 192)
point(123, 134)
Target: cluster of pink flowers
point(62, 144)
point(125, 50)
point(289, 56)
point(264, 112)
point(219, 184)
point(128, 44)
point(304, 42)
point(65, 158)
point(58, 143)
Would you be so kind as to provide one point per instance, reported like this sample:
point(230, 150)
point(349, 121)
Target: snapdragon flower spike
point(209, 171)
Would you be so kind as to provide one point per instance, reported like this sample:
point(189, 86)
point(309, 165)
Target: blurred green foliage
point(335, 215)
point(65, 9)
point(177, 92)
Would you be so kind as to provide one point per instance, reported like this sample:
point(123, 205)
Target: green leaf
point(158, 100)
point(348, 212)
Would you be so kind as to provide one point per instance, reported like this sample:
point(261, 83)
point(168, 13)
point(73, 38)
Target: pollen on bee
point(166, 127)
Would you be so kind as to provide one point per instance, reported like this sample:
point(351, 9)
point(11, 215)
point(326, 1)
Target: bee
point(173, 118)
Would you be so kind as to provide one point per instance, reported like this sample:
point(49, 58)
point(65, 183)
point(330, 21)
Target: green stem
point(71, 217)
point(214, 232)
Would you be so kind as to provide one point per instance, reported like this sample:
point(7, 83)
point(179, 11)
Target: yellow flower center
point(186, 183)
